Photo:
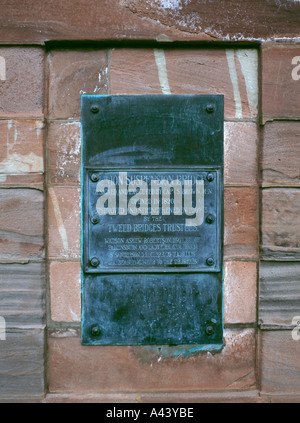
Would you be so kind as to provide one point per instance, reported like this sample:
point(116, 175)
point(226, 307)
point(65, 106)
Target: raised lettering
point(188, 207)
point(165, 187)
point(140, 197)
point(109, 198)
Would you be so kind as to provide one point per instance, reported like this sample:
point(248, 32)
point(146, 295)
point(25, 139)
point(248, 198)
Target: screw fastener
point(210, 261)
point(95, 330)
point(95, 219)
point(210, 108)
point(210, 218)
point(94, 109)
point(210, 177)
point(209, 330)
point(94, 261)
point(94, 177)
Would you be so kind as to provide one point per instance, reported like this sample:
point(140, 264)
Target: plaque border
point(162, 268)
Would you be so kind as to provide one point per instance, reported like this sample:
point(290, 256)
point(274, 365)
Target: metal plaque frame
point(99, 230)
point(152, 279)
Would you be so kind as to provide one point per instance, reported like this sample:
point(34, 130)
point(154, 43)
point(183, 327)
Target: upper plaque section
point(152, 130)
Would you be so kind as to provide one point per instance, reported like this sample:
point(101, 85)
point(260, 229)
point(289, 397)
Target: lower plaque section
point(153, 309)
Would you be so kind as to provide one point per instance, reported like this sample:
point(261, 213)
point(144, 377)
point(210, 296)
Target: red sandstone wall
point(50, 55)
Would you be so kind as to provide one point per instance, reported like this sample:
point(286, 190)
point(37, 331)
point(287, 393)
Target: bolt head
point(210, 218)
point(210, 261)
point(210, 108)
point(94, 177)
point(95, 330)
point(209, 330)
point(210, 177)
point(94, 109)
point(95, 219)
point(94, 261)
